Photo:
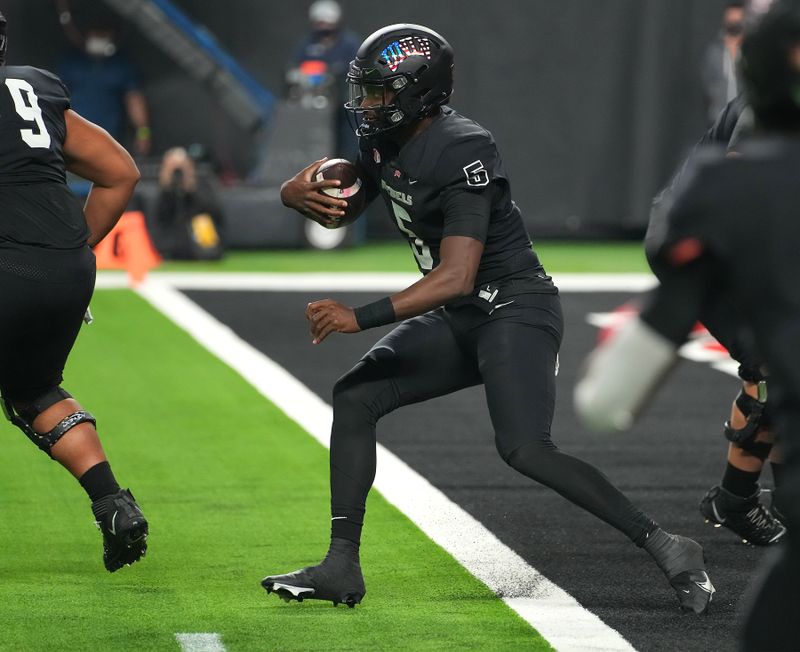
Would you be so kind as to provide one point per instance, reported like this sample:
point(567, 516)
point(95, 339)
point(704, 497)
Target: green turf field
point(394, 256)
point(233, 491)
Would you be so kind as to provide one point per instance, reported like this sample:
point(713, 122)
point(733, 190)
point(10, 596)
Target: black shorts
point(513, 352)
point(43, 297)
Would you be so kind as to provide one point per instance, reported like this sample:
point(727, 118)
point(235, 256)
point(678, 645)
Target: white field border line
point(356, 281)
point(556, 615)
point(200, 642)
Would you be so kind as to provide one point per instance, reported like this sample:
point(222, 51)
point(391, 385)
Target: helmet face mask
point(373, 106)
point(401, 74)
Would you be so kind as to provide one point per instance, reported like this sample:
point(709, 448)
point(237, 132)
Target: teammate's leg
point(38, 328)
point(517, 360)
point(420, 359)
point(735, 503)
point(772, 622)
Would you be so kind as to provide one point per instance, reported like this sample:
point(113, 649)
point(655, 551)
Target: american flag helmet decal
point(409, 46)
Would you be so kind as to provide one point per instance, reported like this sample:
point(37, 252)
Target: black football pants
point(721, 314)
point(43, 297)
point(513, 352)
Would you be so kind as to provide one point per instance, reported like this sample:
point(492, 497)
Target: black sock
point(99, 481)
point(777, 473)
point(740, 483)
point(347, 526)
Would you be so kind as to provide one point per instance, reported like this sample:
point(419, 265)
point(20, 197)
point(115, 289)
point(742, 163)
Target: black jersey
point(741, 215)
point(734, 123)
point(421, 183)
point(37, 207)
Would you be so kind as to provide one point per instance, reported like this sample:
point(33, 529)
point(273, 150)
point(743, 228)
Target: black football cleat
point(124, 529)
point(336, 578)
point(746, 517)
point(682, 561)
point(776, 506)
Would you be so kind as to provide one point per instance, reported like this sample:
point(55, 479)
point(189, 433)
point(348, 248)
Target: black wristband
point(377, 313)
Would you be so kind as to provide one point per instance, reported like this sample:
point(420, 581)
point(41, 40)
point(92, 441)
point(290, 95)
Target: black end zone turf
point(665, 465)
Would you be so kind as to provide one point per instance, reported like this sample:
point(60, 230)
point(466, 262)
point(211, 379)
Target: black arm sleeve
point(467, 213)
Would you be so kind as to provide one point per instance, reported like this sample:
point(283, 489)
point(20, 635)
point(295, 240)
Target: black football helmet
point(3, 41)
point(401, 73)
point(770, 66)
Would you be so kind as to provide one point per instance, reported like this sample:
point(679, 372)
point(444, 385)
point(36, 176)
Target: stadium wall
point(592, 102)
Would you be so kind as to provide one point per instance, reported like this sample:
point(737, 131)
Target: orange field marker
point(128, 247)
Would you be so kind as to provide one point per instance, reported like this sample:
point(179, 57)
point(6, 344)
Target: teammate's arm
point(622, 374)
point(94, 155)
point(453, 277)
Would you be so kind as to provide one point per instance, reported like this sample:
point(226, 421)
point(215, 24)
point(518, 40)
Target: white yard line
point(356, 281)
point(200, 642)
point(549, 609)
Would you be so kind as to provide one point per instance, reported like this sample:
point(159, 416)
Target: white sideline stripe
point(356, 281)
point(555, 614)
point(200, 642)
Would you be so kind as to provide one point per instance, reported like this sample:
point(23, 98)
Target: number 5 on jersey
point(422, 252)
point(30, 112)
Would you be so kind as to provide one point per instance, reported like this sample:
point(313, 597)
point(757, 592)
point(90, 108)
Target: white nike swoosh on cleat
point(113, 528)
point(686, 590)
point(294, 590)
point(337, 518)
point(720, 520)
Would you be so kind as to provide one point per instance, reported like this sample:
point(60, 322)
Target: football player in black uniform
point(735, 503)
point(485, 312)
point(724, 207)
point(47, 273)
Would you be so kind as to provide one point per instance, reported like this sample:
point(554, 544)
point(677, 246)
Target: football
point(350, 189)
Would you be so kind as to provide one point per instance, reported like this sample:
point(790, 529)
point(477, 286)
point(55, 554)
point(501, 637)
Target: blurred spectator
point(720, 75)
point(320, 62)
point(188, 220)
point(103, 84)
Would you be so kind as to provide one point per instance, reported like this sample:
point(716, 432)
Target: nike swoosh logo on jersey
point(507, 303)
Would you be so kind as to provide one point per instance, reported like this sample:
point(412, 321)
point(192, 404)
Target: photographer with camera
point(188, 218)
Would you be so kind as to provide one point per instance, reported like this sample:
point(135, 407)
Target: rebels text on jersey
point(421, 183)
point(38, 208)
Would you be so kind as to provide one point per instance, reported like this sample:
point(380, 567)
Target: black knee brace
point(754, 410)
point(22, 414)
